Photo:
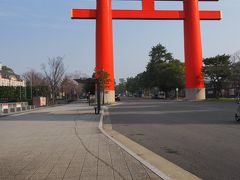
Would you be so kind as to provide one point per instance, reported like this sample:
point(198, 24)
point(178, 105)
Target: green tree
point(159, 54)
point(7, 72)
point(170, 75)
point(131, 85)
point(217, 70)
point(163, 71)
point(121, 88)
point(137, 83)
point(158, 57)
point(89, 87)
point(12, 93)
point(103, 80)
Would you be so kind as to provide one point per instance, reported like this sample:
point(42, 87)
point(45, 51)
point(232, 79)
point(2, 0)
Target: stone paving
point(63, 143)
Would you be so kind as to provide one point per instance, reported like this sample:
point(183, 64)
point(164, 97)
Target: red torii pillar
point(104, 45)
point(192, 37)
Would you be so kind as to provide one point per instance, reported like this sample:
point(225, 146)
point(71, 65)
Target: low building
point(11, 80)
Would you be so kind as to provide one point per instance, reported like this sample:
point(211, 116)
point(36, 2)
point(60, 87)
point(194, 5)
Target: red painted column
point(193, 51)
point(104, 42)
point(148, 5)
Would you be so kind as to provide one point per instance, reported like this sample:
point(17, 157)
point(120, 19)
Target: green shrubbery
point(17, 94)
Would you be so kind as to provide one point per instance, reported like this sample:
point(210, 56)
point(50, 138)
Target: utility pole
point(31, 87)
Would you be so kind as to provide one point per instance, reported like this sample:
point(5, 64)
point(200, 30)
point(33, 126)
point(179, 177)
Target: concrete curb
point(154, 162)
point(152, 168)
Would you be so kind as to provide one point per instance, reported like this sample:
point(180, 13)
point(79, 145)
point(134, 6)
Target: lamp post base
point(109, 97)
point(195, 94)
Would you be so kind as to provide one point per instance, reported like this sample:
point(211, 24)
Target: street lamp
point(20, 88)
point(31, 82)
point(31, 87)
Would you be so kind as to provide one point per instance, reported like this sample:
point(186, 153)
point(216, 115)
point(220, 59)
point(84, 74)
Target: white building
point(11, 81)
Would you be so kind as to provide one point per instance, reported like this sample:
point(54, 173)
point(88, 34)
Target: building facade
point(12, 80)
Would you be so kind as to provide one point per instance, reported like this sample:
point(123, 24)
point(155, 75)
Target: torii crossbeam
point(192, 37)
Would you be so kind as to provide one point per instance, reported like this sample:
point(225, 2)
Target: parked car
point(159, 95)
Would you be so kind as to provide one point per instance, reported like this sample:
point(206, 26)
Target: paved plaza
point(63, 142)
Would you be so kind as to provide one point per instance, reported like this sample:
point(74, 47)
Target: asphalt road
point(201, 137)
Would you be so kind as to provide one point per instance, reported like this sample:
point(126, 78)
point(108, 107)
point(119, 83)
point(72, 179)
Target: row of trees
point(166, 73)
point(11, 94)
point(222, 73)
point(162, 71)
point(53, 82)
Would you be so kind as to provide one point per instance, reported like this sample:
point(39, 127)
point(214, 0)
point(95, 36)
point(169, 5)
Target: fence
point(8, 108)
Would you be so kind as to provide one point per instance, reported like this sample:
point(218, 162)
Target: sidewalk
point(63, 143)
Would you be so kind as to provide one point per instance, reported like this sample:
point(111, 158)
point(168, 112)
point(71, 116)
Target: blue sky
point(31, 31)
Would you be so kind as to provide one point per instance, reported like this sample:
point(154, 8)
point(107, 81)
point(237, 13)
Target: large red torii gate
point(192, 37)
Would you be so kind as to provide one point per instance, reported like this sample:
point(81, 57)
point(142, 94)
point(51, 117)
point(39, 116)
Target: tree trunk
point(103, 97)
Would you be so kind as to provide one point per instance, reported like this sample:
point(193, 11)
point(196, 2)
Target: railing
point(9, 108)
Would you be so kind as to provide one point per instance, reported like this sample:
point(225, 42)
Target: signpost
point(177, 93)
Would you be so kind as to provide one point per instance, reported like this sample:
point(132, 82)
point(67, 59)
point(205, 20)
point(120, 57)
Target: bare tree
point(34, 78)
point(235, 70)
point(235, 57)
point(71, 88)
point(54, 73)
